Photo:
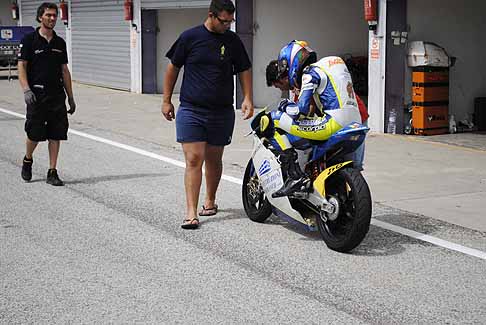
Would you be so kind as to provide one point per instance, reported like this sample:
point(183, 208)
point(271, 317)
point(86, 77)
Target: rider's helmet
point(292, 60)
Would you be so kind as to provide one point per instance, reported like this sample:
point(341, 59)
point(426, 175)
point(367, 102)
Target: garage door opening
point(331, 27)
point(161, 28)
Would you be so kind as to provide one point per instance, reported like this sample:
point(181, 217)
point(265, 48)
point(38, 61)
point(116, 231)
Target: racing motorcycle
point(337, 202)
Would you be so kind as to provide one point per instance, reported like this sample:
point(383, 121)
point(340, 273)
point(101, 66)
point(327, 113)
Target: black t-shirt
point(45, 60)
point(210, 60)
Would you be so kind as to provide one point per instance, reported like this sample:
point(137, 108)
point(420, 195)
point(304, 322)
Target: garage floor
point(474, 140)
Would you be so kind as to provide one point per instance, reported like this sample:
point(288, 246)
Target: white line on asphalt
point(130, 148)
point(375, 222)
point(430, 239)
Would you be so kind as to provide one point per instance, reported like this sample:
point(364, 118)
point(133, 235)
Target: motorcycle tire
point(255, 202)
point(352, 223)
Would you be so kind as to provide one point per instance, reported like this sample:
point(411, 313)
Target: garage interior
point(459, 29)
point(160, 29)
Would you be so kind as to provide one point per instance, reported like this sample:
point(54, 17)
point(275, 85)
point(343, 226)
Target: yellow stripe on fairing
point(320, 182)
point(280, 141)
point(264, 123)
point(332, 126)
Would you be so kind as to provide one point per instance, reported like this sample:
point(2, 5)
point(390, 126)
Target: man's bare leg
point(194, 155)
point(28, 160)
point(53, 146)
point(30, 147)
point(214, 169)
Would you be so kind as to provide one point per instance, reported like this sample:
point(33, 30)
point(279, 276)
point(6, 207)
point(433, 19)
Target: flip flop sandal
point(190, 223)
point(206, 212)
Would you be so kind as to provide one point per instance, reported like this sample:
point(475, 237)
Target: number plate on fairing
point(267, 168)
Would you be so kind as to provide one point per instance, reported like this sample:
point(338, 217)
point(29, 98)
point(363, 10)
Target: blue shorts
point(214, 127)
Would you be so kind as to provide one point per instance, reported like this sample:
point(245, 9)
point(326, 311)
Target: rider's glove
point(283, 104)
point(29, 97)
point(289, 107)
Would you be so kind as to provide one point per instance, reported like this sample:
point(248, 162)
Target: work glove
point(72, 105)
point(29, 97)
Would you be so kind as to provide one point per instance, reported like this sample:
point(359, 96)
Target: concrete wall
point(333, 27)
point(459, 27)
point(172, 22)
point(6, 13)
point(376, 71)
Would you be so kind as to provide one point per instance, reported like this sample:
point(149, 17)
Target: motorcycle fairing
point(320, 182)
point(269, 172)
point(348, 138)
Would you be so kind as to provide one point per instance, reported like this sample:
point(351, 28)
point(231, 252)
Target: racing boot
point(296, 178)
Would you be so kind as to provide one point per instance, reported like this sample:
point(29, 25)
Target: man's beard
point(47, 26)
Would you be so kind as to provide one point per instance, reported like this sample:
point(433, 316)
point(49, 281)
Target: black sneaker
point(53, 178)
point(27, 169)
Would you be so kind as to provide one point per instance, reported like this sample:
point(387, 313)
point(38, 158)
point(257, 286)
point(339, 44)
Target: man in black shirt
point(45, 79)
point(211, 55)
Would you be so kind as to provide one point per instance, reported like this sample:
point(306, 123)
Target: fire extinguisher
point(371, 15)
point(128, 6)
point(63, 10)
point(15, 11)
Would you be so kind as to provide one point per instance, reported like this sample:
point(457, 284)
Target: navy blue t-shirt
point(210, 60)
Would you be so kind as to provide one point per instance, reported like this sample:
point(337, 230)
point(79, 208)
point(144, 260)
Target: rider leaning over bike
point(328, 84)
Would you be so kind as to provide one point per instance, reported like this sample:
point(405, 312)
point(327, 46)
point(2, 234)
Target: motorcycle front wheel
point(347, 227)
point(255, 202)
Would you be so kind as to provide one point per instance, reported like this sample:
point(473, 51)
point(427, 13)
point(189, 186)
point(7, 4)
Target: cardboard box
point(427, 54)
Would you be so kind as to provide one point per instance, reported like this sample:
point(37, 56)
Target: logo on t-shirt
point(222, 51)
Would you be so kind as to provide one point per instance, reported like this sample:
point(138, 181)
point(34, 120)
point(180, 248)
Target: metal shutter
point(168, 4)
point(100, 43)
point(29, 12)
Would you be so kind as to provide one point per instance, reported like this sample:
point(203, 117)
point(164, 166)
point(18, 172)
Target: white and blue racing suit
point(329, 83)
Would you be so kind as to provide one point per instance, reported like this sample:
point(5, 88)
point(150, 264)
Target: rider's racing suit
point(329, 83)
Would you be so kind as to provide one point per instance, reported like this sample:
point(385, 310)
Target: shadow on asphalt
point(37, 180)
point(230, 214)
point(378, 241)
point(94, 180)
point(382, 242)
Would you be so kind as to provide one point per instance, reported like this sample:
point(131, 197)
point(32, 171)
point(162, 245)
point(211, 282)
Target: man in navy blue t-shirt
point(211, 55)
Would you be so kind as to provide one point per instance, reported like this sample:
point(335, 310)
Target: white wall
point(136, 49)
point(6, 13)
point(459, 27)
point(376, 72)
point(332, 27)
point(172, 22)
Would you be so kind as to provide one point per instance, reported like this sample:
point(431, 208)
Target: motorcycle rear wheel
point(351, 225)
point(255, 202)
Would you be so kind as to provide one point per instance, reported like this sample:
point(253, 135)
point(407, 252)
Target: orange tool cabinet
point(430, 100)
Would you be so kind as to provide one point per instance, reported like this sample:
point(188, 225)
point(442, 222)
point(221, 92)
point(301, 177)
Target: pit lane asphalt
point(108, 247)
